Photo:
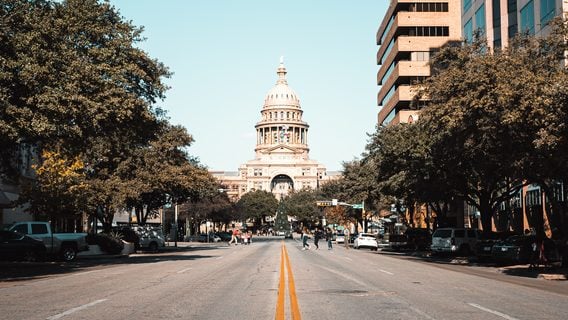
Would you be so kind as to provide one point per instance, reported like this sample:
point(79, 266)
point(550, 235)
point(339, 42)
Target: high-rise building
point(500, 20)
point(410, 31)
point(281, 162)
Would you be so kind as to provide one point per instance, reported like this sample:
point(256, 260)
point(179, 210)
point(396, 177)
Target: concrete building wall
point(409, 33)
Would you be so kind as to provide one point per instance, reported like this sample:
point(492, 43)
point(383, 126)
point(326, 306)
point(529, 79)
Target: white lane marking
point(420, 312)
point(346, 276)
point(384, 271)
point(497, 313)
point(184, 270)
point(70, 311)
point(346, 258)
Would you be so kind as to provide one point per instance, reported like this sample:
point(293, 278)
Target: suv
point(413, 239)
point(454, 240)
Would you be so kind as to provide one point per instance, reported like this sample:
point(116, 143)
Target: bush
point(109, 243)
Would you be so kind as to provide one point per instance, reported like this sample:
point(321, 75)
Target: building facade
point(410, 31)
point(501, 20)
point(282, 161)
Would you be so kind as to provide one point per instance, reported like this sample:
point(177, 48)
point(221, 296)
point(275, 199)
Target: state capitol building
point(282, 161)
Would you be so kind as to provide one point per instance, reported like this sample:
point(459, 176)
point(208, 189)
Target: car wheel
point(68, 253)
point(153, 247)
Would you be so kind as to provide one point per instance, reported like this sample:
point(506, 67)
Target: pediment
point(281, 148)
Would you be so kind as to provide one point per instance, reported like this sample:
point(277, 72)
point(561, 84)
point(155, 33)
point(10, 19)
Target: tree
point(58, 187)
point(472, 92)
point(217, 208)
point(256, 205)
point(404, 168)
point(302, 205)
point(281, 222)
point(74, 81)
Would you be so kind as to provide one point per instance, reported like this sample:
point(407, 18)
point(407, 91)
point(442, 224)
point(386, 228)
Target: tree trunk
point(486, 212)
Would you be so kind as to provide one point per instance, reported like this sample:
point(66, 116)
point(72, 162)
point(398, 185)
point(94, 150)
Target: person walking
point(317, 237)
point(329, 238)
point(346, 237)
point(305, 236)
point(234, 236)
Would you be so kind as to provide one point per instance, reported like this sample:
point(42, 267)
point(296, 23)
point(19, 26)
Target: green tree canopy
point(257, 204)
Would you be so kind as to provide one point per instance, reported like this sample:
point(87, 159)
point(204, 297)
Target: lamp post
point(176, 225)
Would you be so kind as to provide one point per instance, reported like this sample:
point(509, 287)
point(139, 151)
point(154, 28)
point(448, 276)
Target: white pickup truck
point(64, 245)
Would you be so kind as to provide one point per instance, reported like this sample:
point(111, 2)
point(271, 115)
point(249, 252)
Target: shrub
point(109, 243)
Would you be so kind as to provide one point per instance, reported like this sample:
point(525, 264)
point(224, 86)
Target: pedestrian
point(305, 236)
point(329, 238)
point(234, 235)
point(317, 237)
point(534, 255)
point(249, 237)
point(346, 237)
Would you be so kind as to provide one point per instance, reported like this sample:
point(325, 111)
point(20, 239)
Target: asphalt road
point(269, 279)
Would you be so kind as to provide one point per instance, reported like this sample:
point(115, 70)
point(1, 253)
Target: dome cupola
point(281, 95)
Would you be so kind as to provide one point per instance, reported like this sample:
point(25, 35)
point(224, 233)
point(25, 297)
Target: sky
point(224, 55)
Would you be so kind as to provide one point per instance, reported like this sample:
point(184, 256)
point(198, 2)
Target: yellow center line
point(281, 288)
point(295, 309)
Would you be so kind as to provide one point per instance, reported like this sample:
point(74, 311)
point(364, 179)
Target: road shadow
point(20, 271)
point(551, 272)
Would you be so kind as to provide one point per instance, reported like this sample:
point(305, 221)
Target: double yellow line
point(294, 308)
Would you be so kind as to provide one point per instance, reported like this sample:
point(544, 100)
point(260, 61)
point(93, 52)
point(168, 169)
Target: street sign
point(324, 203)
point(357, 206)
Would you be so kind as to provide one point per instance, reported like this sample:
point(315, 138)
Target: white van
point(454, 240)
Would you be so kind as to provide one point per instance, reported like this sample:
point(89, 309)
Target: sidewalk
point(522, 270)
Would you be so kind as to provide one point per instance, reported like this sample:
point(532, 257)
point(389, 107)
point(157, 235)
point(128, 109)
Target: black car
point(225, 236)
point(519, 249)
point(486, 241)
point(16, 246)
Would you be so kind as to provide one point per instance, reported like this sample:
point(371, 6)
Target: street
point(245, 282)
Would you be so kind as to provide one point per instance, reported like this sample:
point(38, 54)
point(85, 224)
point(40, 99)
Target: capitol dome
point(281, 94)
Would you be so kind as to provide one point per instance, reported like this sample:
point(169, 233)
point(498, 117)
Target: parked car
point(518, 250)
point(486, 241)
point(203, 238)
point(412, 238)
point(454, 240)
point(366, 240)
point(224, 236)
point(17, 246)
point(340, 237)
point(64, 245)
point(151, 238)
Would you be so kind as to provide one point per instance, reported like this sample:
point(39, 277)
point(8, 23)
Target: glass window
point(387, 51)
point(480, 19)
point(22, 228)
point(388, 73)
point(527, 18)
point(547, 11)
point(468, 31)
point(466, 5)
point(39, 228)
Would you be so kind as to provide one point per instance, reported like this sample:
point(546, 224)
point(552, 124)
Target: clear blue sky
point(224, 55)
